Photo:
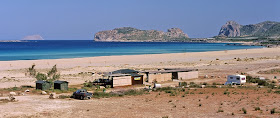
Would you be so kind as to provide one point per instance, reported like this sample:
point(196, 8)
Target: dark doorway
point(174, 75)
point(56, 86)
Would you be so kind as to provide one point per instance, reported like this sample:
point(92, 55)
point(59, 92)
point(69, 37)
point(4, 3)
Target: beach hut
point(43, 85)
point(236, 79)
point(61, 85)
point(125, 77)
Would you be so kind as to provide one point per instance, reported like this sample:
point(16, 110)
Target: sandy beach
point(216, 63)
point(194, 102)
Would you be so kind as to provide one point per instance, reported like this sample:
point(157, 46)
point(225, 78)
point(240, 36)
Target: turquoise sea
point(56, 49)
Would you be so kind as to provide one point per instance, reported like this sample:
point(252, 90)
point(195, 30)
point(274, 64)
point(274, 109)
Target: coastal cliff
point(263, 29)
point(129, 34)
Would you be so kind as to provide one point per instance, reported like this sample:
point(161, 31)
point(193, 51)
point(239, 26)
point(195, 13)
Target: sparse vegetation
point(244, 110)
point(64, 96)
point(257, 108)
point(51, 76)
point(272, 71)
point(226, 92)
point(238, 59)
point(220, 110)
point(131, 92)
point(32, 71)
point(272, 111)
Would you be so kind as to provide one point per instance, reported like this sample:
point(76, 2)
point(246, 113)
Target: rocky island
point(33, 37)
point(129, 34)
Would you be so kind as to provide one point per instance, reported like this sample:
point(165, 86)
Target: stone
point(12, 98)
point(52, 96)
point(13, 93)
point(44, 93)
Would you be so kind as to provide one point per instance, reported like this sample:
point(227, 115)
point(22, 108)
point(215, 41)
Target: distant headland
point(32, 37)
point(265, 34)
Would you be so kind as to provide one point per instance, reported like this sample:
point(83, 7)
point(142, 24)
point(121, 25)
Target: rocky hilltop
point(263, 29)
point(133, 34)
point(33, 37)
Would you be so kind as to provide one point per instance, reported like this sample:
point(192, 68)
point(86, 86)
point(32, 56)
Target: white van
point(236, 79)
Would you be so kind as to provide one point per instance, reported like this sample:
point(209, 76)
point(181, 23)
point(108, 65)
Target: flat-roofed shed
point(61, 85)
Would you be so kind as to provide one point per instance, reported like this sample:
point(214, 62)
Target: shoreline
point(136, 59)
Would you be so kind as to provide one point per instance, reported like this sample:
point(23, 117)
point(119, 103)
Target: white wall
point(122, 81)
point(188, 75)
point(161, 77)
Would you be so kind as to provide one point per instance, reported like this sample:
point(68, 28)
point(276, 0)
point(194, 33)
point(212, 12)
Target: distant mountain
point(263, 29)
point(33, 37)
point(132, 34)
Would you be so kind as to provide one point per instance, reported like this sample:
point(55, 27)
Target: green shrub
point(220, 110)
point(278, 92)
point(272, 86)
point(41, 76)
point(165, 89)
point(58, 91)
point(72, 89)
point(87, 88)
point(36, 91)
point(13, 89)
point(226, 93)
point(257, 108)
point(64, 96)
point(272, 111)
point(211, 86)
point(103, 95)
point(269, 91)
point(32, 71)
point(97, 86)
point(238, 59)
point(194, 86)
point(134, 92)
point(244, 110)
point(262, 82)
point(88, 84)
point(173, 93)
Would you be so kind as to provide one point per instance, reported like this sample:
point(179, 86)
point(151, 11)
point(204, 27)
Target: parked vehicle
point(236, 80)
point(82, 94)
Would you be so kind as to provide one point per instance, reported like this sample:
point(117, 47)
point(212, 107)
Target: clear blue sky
point(81, 19)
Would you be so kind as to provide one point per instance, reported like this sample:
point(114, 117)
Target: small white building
point(236, 79)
